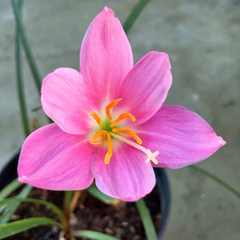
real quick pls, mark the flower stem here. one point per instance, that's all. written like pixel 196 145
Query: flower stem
pixel 134 15
pixel 216 179
pixel 75 199
pixel 20 85
pixel 147 220
pixel 67 202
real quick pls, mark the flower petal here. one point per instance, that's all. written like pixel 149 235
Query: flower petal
pixel 67 100
pixel 106 55
pixel 181 136
pixel 55 160
pixel 127 176
pixel 145 88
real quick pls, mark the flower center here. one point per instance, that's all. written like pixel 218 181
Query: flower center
pixel 111 130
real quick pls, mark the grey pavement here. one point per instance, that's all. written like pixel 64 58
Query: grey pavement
pixel 202 39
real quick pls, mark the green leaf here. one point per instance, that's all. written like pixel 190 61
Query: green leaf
pixel 48 204
pixel 20 84
pixel 67 200
pixel 32 64
pixel 134 15
pixel 13 228
pixel 93 235
pixel 31 61
pixel 94 191
pixel 36 109
pixel 12 208
pixel 11 187
pixel 216 179
pixel 146 220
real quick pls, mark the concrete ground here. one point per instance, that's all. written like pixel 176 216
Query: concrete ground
pixel 202 40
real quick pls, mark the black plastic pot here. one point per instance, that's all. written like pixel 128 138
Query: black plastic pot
pixel 9 173
pixel 164 188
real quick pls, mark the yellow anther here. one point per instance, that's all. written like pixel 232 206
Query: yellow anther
pixel 96 117
pixel 109 143
pixel 110 149
pixel 121 117
pixel 105 135
pixel 110 106
pixel 97 135
pixel 98 143
pixel 130 133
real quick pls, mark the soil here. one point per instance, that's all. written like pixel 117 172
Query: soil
pixel 90 214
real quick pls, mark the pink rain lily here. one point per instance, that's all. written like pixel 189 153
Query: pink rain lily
pixel 110 124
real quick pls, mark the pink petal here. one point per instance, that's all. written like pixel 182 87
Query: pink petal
pixel 106 55
pixel 181 136
pixel 145 88
pixel 55 160
pixel 127 176
pixel 67 100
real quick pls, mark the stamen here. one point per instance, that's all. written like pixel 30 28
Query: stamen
pixel 150 156
pixel 98 143
pixel 110 148
pixel 110 106
pixel 96 117
pixel 129 132
pixel 121 117
pixel 109 143
pixel 98 134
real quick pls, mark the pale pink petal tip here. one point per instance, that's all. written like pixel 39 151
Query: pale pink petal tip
pixel 105 55
pixel 182 136
pixel 108 10
pixel 221 142
pixel 166 56
pixel 22 179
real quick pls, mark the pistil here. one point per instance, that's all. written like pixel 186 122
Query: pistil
pixel 109 143
pixel 150 155
pixel 111 131
pixel 129 132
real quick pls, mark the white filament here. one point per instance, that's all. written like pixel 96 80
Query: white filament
pixel 150 155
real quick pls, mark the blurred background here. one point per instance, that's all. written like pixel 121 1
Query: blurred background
pixel 202 39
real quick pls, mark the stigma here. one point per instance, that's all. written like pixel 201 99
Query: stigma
pixel 114 132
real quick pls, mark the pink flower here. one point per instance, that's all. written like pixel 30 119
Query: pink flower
pixel 110 124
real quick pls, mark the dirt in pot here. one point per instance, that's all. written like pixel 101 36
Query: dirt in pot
pixel 89 214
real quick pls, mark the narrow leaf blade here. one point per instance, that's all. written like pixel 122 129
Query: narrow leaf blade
pixel 54 208
pixel 12 208
pixel 146 220
pixel 13 228
pixel 134 15
pixel 216 179
pixel 94 191
pixel 20 84
pixel 36 109
pixel 93 235
pixel 28 51
pixel 31 60
pixel 11 187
